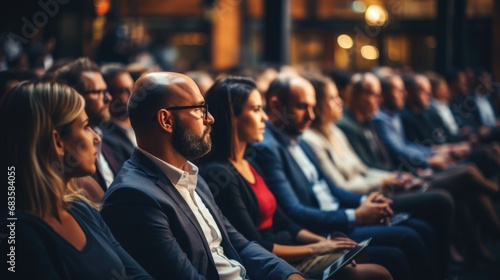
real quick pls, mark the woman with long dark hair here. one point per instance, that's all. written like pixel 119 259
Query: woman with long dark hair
pixel 242 194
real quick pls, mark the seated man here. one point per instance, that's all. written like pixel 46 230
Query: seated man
pixel 118 131
pixel 460 180
pixel 472 106
pixel 291 171
pixel 423 126
pixel 160 210
pixel 85 77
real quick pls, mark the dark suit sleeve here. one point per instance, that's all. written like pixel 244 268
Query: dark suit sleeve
pixel 143 229
pixel 357 143
pixel 227 191
pixel 132 269
pixel 311 217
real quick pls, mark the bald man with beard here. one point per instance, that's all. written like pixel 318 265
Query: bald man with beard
pixel 159 208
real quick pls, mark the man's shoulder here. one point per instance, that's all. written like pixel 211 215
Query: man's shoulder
pixel 407 114
pixel 349 126
pixel 131 179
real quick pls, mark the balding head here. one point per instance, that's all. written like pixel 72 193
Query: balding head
pixel 155 91
pixel 363 95
pixel 393 93
pixel 291 100
pixel 169 117
pixel 419 91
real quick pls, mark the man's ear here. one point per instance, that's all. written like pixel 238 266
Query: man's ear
pixel 58 143
pixel 165 120
pixel 275 106
pixel 274 103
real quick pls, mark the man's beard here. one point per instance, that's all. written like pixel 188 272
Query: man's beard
pixel 99 117
pixel 188 144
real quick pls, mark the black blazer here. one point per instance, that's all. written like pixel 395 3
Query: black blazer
pixel 238 203
pixel 152 221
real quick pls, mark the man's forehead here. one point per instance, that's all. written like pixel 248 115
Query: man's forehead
pixel 302 94
pixel 422 82
pixel 91 78
pixel 397 82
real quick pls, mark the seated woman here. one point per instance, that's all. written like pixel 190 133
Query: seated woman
pixel 470 190
pixel 243 196
pixel 47 144
pixel 337 157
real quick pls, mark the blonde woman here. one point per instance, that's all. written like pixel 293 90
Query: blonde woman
pixel 47 143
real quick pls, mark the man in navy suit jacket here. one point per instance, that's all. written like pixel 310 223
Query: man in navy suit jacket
pixel 291 171
pixel 161 210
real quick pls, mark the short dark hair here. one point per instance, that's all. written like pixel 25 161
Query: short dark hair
pixel 70 74
pixel 226 99
pixel 279 87
pixel 410 84
pixel 110 71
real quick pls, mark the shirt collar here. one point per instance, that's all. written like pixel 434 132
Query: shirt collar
pixel 175 175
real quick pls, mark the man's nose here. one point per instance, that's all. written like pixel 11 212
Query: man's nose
pixel 210 119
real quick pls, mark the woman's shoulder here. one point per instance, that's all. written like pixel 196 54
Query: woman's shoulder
pixel 314 138
pixel 216 169
pixel 85 212
pixel 214 165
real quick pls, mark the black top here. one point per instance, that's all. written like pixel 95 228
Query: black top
pixel 41 253
pixel 238 203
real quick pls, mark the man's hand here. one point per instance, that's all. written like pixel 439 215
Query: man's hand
pixel 295 276
pixel 439 161
pixel 484 131
pixel 373 209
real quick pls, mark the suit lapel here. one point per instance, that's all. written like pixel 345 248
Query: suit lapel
pixel 107 152
pixel 294 169
pixel 164 183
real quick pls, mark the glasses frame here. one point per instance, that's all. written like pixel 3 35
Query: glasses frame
pixel 205 106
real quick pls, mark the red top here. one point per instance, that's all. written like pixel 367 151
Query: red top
pixel 265 199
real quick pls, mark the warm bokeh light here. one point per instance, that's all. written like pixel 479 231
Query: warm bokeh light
pixel 376 15
pixel 101 7
pixel 369 52
pixel 358 6
pixel 345 41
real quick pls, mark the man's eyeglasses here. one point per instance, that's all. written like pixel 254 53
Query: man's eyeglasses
pixel 95 91
pixel 204 110
pixel 117 91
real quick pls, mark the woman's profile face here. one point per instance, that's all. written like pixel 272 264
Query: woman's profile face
pixel 250 124
pixel 80 151
pixel 332 105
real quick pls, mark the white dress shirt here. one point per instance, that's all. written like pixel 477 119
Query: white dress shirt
pixel 102 163
pixel 185 182
pixel 326 200
pixel 446 115
pixel 485 110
